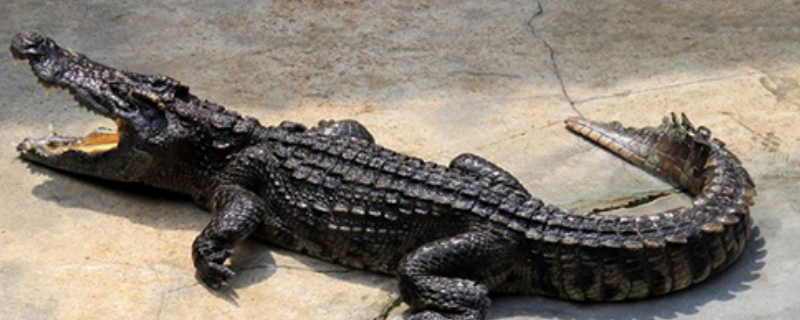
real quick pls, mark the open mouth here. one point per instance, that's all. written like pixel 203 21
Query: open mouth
pixel 85 82
pixel 97 141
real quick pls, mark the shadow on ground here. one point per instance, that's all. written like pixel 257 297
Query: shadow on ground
pixel 252 260
pixel 138 203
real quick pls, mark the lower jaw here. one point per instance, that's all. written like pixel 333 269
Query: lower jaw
pixel 98 141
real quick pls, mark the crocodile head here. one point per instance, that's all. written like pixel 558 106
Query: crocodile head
pixel 164 135
pixel 135 102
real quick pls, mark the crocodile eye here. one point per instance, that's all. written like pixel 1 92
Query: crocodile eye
pixel 160 84
pixel 168 87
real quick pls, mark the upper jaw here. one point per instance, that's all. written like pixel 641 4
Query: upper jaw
pixel 94 86
pixel 90 83
pixel 137 103
pixel 31 45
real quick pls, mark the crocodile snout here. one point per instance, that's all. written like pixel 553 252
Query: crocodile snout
pixel 30 44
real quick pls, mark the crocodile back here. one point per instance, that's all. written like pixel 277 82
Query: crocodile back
pixel 356 203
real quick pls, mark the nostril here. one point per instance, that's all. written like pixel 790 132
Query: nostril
pixel 27 44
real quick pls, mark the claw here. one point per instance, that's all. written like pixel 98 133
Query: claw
pixel 703 133
pixel 209 261
pixel 685 122
pixel 215 275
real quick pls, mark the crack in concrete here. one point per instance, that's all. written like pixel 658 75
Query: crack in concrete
pixel 161 304
pixel 679 85
pixel 636 202
pixel 394 304
pixel 163 292
pixel 553 59
pixel 485 74
pixel 515 136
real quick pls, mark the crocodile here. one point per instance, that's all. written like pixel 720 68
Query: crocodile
pixel 450 234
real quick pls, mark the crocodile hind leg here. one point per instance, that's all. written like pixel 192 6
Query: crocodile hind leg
pixel 449 279
pixel 478 165
pixel 238 212
pixel 335 128
pixel 344 128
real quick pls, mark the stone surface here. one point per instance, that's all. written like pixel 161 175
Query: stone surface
pixel 430 78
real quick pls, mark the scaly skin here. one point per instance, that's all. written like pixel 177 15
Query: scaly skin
pixel 451 234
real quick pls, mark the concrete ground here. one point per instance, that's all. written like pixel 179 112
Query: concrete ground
pixel 430 78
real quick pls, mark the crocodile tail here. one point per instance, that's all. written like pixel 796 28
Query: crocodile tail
pixel 675 151
pixel 679 247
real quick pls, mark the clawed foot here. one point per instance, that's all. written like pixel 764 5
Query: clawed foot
pixel 209 261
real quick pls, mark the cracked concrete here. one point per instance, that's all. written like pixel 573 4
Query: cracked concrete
pixel 429 78
pixel 553 56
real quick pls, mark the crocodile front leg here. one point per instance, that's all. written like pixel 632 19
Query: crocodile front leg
pixel 238 212
pixel 332 128
pixel 449 279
